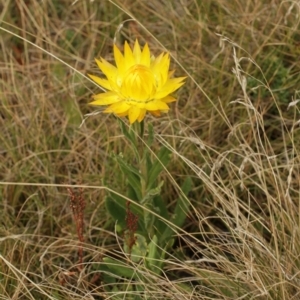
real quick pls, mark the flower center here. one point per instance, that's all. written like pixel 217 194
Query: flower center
pixel 139 85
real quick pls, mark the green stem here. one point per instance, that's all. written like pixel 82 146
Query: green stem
pixel 148 217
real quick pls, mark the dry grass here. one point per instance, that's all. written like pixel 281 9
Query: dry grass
pixel 233 132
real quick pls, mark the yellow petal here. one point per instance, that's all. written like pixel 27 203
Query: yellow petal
pixel 170 86
pixel 156 105
pixel 145 56
pixel 160 69
pixel 168 99
pixel 133 114
pixel 105 99
pixel 164 63
pixel 142 115
pixel 157 60
pixel 107 68
pixel 118 108
pixel 128 56
pixel 137 52
pixel 119 59
pixel 155 113
pixel 102 82
pixel 124 114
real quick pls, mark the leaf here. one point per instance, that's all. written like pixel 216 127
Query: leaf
pixel 147 159
pixel 130 136
pixel 152 192
pixel 180 212
pixel 155 257
pixel 126 166
pixel 106 275
pixel 119 268
pixel 161 209
pixel 183 203
pixel 117 207
pixel 162 160
pixel 150 135
pixel 132 174
pixel 132 194
pixel 139 249
pixel 147 201
pixel 141 129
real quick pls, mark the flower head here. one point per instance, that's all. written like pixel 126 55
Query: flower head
pixel 137 84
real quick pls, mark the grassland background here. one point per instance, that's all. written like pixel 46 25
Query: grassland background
pixel 234 129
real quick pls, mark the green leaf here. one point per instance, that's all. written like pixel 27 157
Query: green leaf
pixel 142 129
pixel 132 194
pixel 147 159
pixel 107 277
pixel 150 135
pixel 117 207
pixel 126 166
pixel 151 193
pixel 155 256
pixel 130 136
pixel 139 249
pixel 180 212
pixel 162 160
pixel 182 203
pixel 161 209
pixel 147 201
pixel 119 268
pixel 132 174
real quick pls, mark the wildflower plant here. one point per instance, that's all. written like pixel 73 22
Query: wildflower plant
pixel 137 84
pixel 141 83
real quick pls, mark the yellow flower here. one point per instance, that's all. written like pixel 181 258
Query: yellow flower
pixel 139 83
